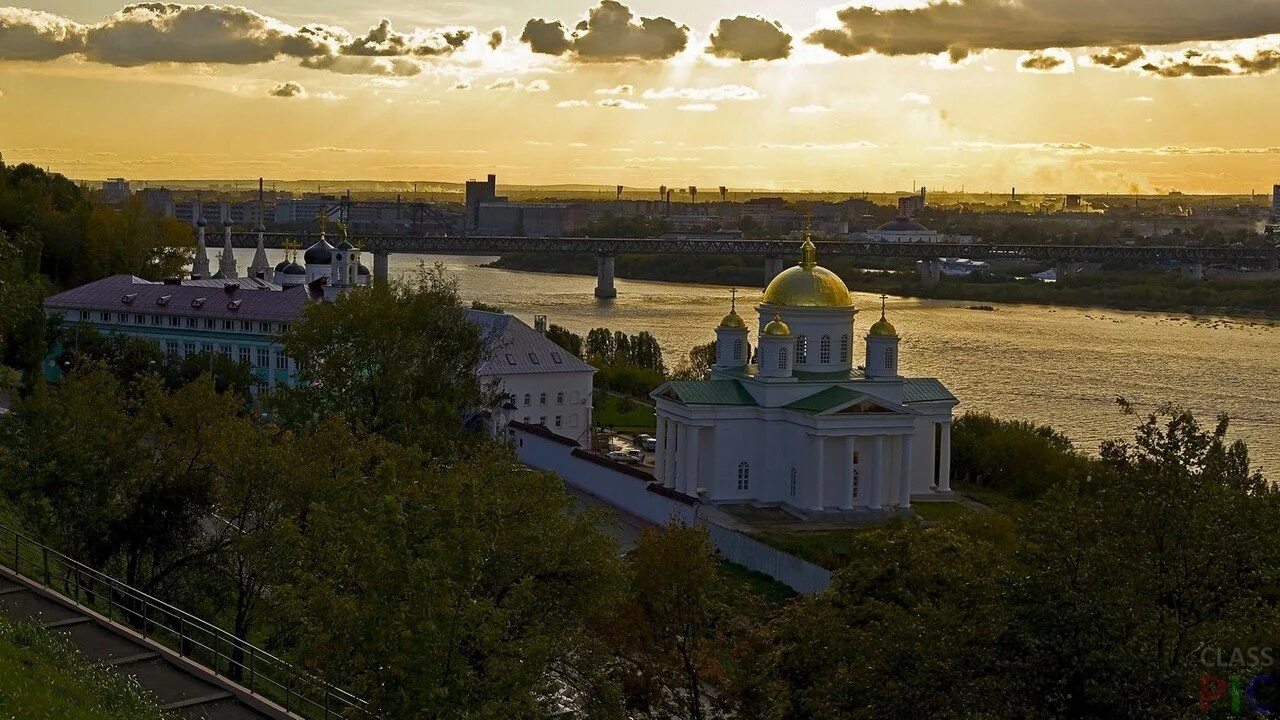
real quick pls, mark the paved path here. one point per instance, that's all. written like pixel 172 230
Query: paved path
pixel 178 690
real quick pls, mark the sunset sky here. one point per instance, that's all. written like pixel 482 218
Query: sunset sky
pixel 1048 95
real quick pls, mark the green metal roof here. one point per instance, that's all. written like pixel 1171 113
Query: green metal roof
pixel 711 392
pixel 825 400
pixel 925 390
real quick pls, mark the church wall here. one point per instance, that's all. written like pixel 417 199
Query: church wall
pixel 574 411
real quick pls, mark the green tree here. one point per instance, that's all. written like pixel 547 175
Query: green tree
pixel 23 327
pixel 1016 457
pixel 698 365
pixel 397 359
pixel 564 338
pixel 133 240
pixel 462 588
pixel 600 345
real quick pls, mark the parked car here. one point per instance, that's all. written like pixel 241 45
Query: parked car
pixel 631 457
pixel 650 445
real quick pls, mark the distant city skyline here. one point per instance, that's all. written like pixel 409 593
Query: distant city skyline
pixel 1086 96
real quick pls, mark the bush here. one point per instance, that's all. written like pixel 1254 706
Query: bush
pixel 1019 458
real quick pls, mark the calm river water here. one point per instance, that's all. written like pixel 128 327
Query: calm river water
pixel 1059 366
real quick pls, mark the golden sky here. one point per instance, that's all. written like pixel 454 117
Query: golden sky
pixel 1047 95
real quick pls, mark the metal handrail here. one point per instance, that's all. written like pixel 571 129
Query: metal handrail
pixel 260 672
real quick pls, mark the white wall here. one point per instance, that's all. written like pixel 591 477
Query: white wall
pixel 574 411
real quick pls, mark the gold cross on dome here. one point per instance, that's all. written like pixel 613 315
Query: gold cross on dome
pixel 733 299
pixel 883 299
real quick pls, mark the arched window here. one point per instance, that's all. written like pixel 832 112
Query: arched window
pixel 890 359
pixel 782 358
pixel 793 482
pixel 802 349
pixel 824 350
pixel 737 349
pixel 560 398
pixel 844 348
pixel 542 399
pixel 744 476
pixel 526 398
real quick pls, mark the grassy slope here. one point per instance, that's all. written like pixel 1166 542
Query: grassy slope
pixel 41 679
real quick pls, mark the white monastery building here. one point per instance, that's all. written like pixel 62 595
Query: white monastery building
pixel 799 426
pixel 242 318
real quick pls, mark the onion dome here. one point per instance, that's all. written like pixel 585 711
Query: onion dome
pixel 777 327
pixel 319 254
pixel 362 270
pixel 345 245
pixel 733 320
pixel 294 269
pixel 808 284
pixel 282 265
pixel 200 222
pixel 883 328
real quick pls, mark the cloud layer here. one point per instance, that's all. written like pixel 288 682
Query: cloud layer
pixel 962 27
pixel 611 33
pixel 750 38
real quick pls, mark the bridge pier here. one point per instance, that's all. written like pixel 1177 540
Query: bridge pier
pixel 1064 270
pixel 381 269
pixel 773 267
pixel 604 277
pixel 1193 271
pixel 930 272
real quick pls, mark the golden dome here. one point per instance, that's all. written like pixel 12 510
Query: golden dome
pixel 777 327
pixel 883 328
pixel 733 320
pixel 808 284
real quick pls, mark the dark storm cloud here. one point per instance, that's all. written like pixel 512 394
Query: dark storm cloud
pixel 750 38
pixel 147 33
pixel 961 27
pixel 611 33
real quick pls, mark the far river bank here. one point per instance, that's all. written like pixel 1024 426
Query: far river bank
pixel 1128 291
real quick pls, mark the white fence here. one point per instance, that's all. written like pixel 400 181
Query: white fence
pixel 633 491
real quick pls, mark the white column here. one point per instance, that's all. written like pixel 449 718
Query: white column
pixel 944 459
pixel 819 471
pixel 873 478
pixel 660 452
pixel 690 486
pixel 675 465
pixel 904 489
pixel 846 467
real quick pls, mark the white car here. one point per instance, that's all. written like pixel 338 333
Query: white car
pixel 631 457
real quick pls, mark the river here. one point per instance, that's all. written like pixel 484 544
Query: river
pixel 1060 366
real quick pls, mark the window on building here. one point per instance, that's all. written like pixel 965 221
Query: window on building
pixel 782 358
pixel 228 325
pixel 542 421
pixel 533 358
pixel 157 319
pixel 284 327
pixel 824 350
pixel 104 317
pixel 175 321
pixel 890 359
pixel 558 421
pixel 526 400
pixel 555 358
pixel 264 327
pixel 140 319
pixel 527 419
pixel 511 359
pixel 208 324
pixel 192 323
pixel 246 355
pixel 560 398
pixel 122 318
pixel 802 349
pixel 737 350
pixel 226 351
pixel 207 347
pixel 793 482
pixel 264 358
pixel 189 348
pixel 171 347
pixel 844 348
pixel 542 399
pixel 744 476
pixel 246 326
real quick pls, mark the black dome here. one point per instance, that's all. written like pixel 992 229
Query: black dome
pixel 294 269
pixel 345 245
pixel 362 270
pixel 282 265
pixel 319 254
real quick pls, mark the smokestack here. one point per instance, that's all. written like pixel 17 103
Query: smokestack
pixel 693 194
pixel 619 192
pixel 662 193
pixel 724 194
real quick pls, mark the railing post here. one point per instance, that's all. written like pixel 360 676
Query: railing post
pixel 47 582
pixel 17 557
pixel 252 665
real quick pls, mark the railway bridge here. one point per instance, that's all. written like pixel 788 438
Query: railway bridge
pixel 776 253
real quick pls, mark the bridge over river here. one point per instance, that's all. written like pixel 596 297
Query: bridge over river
pixel 776 253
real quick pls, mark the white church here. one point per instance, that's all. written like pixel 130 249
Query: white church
pixel 798 425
